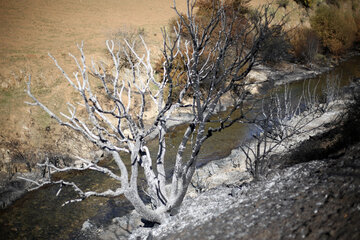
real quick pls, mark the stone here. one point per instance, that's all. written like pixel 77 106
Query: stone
pixel 87 225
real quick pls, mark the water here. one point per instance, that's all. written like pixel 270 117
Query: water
pixel 39 215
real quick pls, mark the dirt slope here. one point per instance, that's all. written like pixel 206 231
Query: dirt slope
pixel 30 29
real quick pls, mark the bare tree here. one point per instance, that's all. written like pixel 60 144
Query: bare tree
pixel 283 116
pixel 115 123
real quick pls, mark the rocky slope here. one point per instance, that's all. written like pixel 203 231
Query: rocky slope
pixel 310 192
pixel 313 200
pixel 313 193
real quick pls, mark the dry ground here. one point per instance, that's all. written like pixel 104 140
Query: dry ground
pixel 30 29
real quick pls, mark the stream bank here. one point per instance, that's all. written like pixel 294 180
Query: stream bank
pixel 313 200
pixel 299 179
pixel 110 209
pixel 312 193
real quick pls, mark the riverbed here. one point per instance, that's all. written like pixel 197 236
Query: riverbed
pixel 39 215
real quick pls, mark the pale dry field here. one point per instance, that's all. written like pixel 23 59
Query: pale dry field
pixel 30 29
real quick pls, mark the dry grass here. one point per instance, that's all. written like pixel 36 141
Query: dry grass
pixel 32 28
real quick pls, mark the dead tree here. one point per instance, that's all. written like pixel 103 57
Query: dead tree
pixel 115 125
pixel 282 117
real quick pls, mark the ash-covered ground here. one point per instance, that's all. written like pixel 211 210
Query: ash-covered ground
pixel 313 193
pixel 310 192
pixel 312 200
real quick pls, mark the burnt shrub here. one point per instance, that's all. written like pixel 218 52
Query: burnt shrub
pixel 276 47
pixel 352 126
pixel 357 24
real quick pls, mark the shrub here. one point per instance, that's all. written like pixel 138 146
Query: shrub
pixel 179 70
pixel 335 28
pixel 305 44
pixel 131 35
pixel 283 3
pixel 276 47
pixel 305 3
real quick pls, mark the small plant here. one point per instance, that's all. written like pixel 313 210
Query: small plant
pixel 127 35
pixel 357 24
pixel 331 91
pixel 282 116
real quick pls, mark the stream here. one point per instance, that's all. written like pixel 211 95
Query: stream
pixel 39 215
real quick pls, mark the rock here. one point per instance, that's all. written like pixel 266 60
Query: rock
pixel 260 76
pixel 98 155
pixel 87 225
pixel 78 163
pixel 4 85
pixel 5 155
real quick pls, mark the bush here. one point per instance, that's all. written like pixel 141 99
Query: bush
pixel 305 3
pixel 305 44
pixel 131 35
pixel 276 47
pixel 179 71
pixel 336 29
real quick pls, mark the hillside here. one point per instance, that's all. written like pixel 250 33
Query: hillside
pixel 313 193
pixel 32 29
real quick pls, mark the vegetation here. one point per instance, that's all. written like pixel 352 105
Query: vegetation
pixel 336 28
pixel 281 118
pixel 305 43
pixel 210 52
pixel 306 3
pixel 283 3
pixel 274 47
pixel 216 51
pixel 127 35
pixel 233 9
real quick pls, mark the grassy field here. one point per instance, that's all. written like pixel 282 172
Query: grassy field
pixel 30 29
